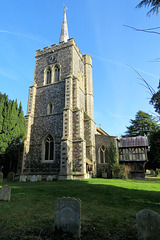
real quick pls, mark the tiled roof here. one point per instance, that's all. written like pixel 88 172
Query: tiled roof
pixel 140 141
pixel 101 131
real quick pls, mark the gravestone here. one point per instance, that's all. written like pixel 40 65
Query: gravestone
pixel 5 193
pixel 148 171
pixel 152 171
pixel 23 178
pixel 10 176
pixel 49 178
pixel 33 178
pixel 39 178
pixel 68 215
pixel 1 177
pixel 148 225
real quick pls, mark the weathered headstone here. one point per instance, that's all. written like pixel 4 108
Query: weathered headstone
pixel 68 215
pixel 5 193
pixel 10 176
pixel 148 171
pixel 152 171
pixel 33 178
pixel 1 177
pixel 148 225
pixel 23 178
pixel 39 178
pixel 49 178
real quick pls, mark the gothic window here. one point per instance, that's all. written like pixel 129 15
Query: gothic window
pixel 48 76
pixel 56 74
pixel 103 155
pixel 106 156
pixel 49 148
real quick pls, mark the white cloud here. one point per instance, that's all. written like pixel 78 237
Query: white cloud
pixel 29 36
pixel 121 64
pixel 7 74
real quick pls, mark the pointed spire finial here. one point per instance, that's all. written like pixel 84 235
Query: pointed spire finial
pixel 65 8
pixel 64 31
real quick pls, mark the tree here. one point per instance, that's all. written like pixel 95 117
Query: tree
pixel 155 100
pixel 143 125
pixel 12 131
pixel 154 4
pixel 154 153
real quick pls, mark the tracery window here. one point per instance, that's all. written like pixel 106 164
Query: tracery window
pixel 49 147
pixel 103 155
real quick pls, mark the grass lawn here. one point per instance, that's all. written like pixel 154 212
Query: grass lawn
pixel 108 207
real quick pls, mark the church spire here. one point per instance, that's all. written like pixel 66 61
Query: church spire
pixel 64 31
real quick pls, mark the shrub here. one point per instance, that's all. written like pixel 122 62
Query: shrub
pixel 112 157
pixel 128 171
pixel 118 171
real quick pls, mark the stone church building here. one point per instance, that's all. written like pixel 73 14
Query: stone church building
pixel 61 132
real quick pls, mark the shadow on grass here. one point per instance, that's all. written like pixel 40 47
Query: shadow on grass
pixel 107 211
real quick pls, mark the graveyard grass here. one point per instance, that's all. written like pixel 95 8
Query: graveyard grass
pixel 108 207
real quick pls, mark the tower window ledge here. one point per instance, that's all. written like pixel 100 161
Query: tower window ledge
pixel 48 161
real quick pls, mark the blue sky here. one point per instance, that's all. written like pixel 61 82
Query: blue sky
pixel 98 29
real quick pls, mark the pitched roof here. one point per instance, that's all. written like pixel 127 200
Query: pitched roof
pixel 101 131
pixel 139 141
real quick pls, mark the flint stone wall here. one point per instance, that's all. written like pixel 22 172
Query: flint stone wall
pixel 43 124
pixel 102 140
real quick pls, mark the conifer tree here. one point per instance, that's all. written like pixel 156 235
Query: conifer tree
pixel 142 125
pixel 12 131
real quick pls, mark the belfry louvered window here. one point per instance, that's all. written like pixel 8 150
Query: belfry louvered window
pixel 56 74
pixel 49 74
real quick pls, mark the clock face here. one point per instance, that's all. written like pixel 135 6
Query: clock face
pixel 52 59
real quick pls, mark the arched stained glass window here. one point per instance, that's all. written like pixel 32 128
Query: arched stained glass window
pixel 49 148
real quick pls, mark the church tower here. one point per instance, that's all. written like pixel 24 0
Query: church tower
pixel 60 120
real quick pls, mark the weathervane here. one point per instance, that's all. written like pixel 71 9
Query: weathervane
pixel 65 6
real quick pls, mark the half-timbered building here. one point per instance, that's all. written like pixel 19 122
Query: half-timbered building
pixel 133 153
